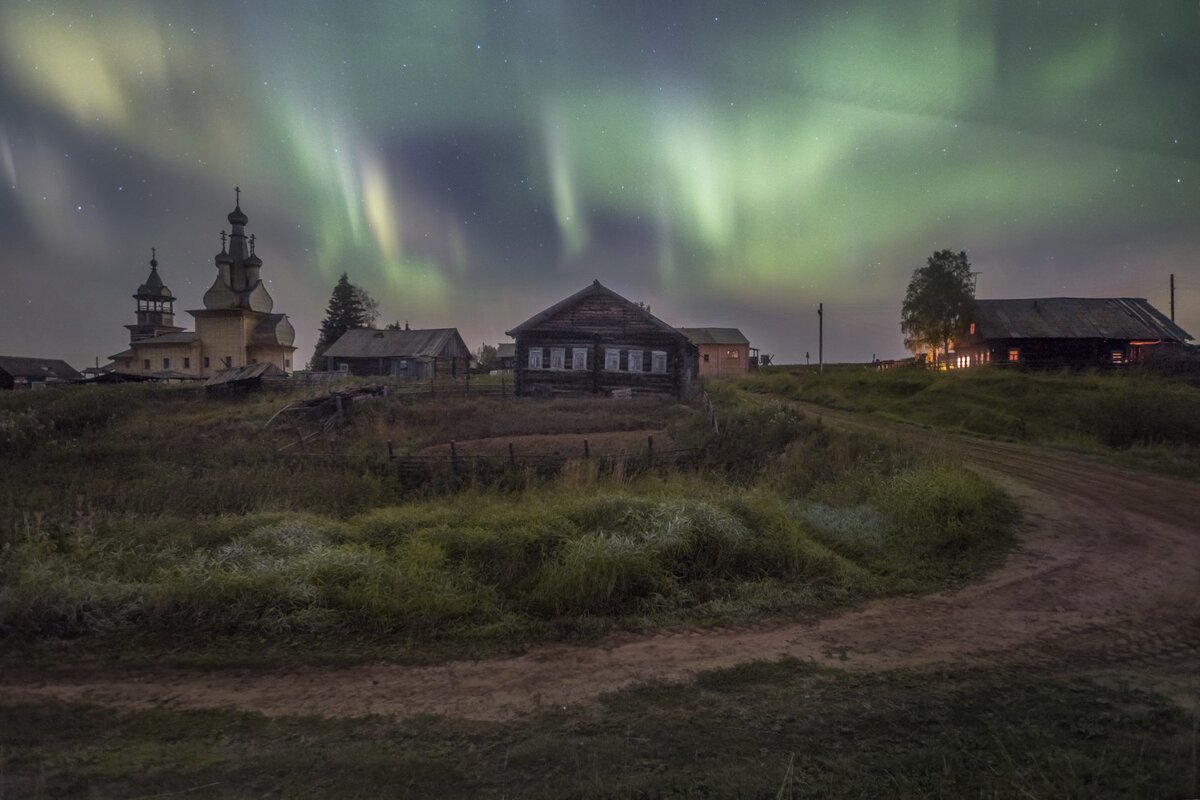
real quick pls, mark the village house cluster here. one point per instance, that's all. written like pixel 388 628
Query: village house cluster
pixel 594 341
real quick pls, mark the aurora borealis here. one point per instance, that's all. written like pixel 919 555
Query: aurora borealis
pixel 730 163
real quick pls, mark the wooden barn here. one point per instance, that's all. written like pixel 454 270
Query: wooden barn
pixel 597 341
pixel 19 372
pixel 421 355
pixel 1057 332
pixel 724 352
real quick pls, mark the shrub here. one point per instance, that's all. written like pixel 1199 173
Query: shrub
pixel 597 575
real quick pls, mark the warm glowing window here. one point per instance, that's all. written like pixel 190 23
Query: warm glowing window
pixel 732 353
pixel 1118 357
pixel 1014 355
pixel 972 328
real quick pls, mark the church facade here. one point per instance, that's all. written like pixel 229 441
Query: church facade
pixel 238 325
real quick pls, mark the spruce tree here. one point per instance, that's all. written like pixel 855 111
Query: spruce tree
pixel 346 310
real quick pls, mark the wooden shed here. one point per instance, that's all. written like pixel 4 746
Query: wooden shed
pixel 1056 332
pixel 597 341
pixel 405 354
pixel 724 352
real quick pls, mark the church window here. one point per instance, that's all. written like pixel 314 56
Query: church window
pixel 145 363
pixel 206 362
pixel 187 363
pixel 166 363
pixel 287 363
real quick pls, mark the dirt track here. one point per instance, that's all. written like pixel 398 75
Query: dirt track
pixel 1106 577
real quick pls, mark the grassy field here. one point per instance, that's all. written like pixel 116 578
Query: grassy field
pixel 778 730
pixel 138 518
pixel 1136 418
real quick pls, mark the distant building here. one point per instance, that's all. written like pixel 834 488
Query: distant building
pixel 597 341
pixel 724 352
pixel 17 372
pixel 506 356
pixel 408 354
pixel 1052 332
pixel 237 326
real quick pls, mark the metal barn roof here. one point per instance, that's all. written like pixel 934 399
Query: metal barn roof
pixel 1073 318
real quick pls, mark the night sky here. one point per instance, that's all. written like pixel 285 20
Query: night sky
pixel 469 163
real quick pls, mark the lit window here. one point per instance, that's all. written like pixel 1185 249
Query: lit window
pixel 1014 355
pixel 732 354
pixel 1118 357
pixel 972 328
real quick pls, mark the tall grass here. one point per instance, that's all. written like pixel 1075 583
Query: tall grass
pixel 220 538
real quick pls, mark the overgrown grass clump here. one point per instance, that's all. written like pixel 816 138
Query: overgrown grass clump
pixel 781 515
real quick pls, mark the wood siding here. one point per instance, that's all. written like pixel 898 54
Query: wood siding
pixel 724 360
pixel 597 324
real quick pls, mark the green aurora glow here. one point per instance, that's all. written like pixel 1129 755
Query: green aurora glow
pixel 730 163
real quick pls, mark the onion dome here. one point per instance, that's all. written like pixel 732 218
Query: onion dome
pixel 223 257
pixel 237 216
pixel 252 260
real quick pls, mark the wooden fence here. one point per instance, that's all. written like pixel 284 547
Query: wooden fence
pixel 456 466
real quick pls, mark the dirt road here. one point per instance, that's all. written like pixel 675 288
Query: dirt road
pixel 1106 576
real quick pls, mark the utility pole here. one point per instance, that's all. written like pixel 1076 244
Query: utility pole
pixel 1172 297
pixel 820 337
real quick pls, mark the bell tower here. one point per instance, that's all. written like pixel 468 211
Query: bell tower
pixel 155 307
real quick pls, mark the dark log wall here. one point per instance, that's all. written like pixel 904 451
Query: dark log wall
pixel 599 323
pixel 1049 353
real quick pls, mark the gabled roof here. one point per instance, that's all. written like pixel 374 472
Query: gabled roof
pixel 1073 318
pixel 372 343
pixel 589 291
pixel 715 335
pixel 506 350
pixel 39 369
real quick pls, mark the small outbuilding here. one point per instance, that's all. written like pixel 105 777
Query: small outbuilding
pixel 19 372
pixel 724 352
pixel 599 342
pixel 506 356
pixel 1057 332
pixel 421 355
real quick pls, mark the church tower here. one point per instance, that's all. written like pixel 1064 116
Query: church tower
pixel 155 307
pixel 236 326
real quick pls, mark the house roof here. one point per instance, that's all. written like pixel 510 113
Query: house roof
pixel 1073 318
pixel 715 335
pixel 595 288
pixel 39 368
pixel 372 343
pixel 506 350
pixel 263 369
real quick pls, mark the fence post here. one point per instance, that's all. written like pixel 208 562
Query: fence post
pixel 391 451
pixel 587 453
pixel 502 387
pixel 512 458
pixel 650 447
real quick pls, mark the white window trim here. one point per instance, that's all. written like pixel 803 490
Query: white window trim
pixel 658 357
pixel 634 357
pixel 609 358
pixel 534 359
pixel 576 362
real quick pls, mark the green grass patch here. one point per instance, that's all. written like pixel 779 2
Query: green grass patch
pixel 1136 418
pixel 759 730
